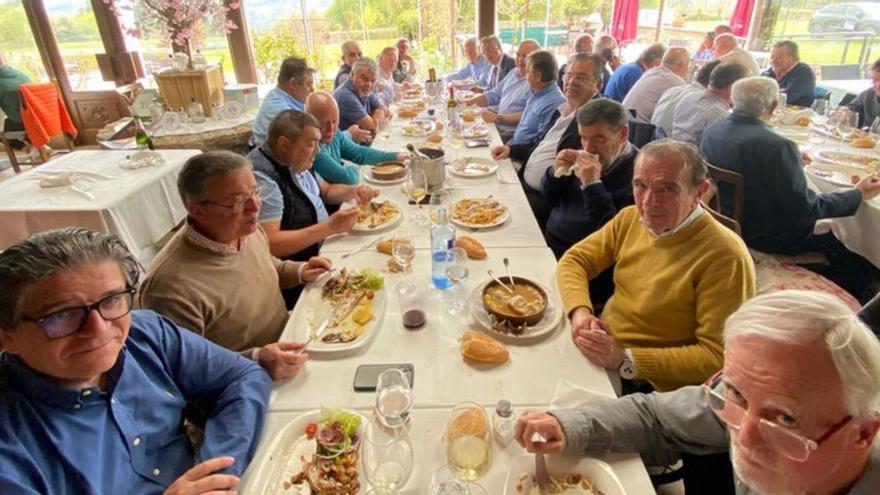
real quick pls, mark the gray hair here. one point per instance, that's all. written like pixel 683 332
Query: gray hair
pixel 724 75
pixel 198 169
pixel 754 95
pixel 580 38
pixel 544 63
pixel 790 46
pixel 48 253
pixel 602 110
pixel 471 40
pixel 294 69
pixel 364 63
pixel 802 317
pixel 675 56
pixel 349 44
pixel 290 124
pixel 605 42
pixel 726 39
pixel 592 58
pixel 491 39
pixel 652 53
pixel 670 149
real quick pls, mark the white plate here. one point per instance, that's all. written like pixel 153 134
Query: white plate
pixel 313 309
pixel 828 156
pixel 838 175
pixel 385 226
pixel 473 167
pixel 552 317
pixel 368 176
pixel 281 460
pixel 598 472
pixel 482 226
pixel 474 132
pixel 423 127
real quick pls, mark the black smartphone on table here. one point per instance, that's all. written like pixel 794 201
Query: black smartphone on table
pixel 367 375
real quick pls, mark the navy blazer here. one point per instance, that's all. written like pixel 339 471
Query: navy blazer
pixel 799 84
pixel 780 211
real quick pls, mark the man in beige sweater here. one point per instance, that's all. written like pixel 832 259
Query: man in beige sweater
pixel 216 275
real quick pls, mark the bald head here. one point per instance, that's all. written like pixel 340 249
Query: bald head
pixel 583 44
pixel 677 60
pixel 724 44
pixel 322 106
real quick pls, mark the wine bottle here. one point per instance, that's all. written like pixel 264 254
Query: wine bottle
pixel 432 75
pixel 143 140
pixel 452 109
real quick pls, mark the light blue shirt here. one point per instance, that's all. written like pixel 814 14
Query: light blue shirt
pixel 272 208
pixel 476 71
pixel 537 113
pixel 510 95
pixel 275 102
pixel 128 436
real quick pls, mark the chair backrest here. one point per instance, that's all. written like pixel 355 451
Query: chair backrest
pixel 845 72
pixel 640 133
pixel 723 219
pixel 44 113
pixel 729 182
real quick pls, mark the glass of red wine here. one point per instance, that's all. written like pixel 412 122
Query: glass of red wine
pixel 411 295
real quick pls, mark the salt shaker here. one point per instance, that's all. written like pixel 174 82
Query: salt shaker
pixel 503 422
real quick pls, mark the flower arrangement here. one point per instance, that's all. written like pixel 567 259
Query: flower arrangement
pixel 179 19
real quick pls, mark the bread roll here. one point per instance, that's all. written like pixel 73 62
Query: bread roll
pixel 480 347
pixel 803 121
pixel 384 246
pixel 866 142
pixel 475 250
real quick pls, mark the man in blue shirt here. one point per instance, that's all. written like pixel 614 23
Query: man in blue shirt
pixel 336 146
pixel 295 84
pixel 506 101
pixel 541 73
pixel 625 77
pixel 477 68
pixel 94 394
pixel 358 103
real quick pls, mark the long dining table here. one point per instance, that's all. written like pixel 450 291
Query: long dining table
pixel 442 377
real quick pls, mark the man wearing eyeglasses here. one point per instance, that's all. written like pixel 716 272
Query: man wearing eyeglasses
pixel 196 279
pixel 797 404
pixel 94 394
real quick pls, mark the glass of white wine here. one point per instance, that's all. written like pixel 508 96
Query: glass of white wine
pixel 455 142
pixel 384 132
pixel 416 189
pixel 468 442
pixel 457 273
pixel 386 457
pixel 403 249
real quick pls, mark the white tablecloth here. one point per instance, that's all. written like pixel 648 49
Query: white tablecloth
pixel 140 206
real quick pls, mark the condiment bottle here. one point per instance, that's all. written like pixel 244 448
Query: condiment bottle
pixel 503 422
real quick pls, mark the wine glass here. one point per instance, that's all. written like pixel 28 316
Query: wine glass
pixel 468 442
pixel 439 199
pixel 393 398
pixel 455 142
pixel 386 457
pixel 457 273
pixel 403 249
pixel 384 129
pixel 847 122
pixel 444 483
pixel 416 188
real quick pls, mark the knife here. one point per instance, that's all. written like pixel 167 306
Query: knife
pixel 317 334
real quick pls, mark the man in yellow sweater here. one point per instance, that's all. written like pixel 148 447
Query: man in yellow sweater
pixel 678 274
pixel 217 277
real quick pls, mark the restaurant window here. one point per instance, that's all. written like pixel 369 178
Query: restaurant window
pixel 17 41
pixel 76 32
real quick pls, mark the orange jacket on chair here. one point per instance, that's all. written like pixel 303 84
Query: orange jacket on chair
pixel 43 113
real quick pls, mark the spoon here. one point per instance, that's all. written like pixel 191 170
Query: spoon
pixel 509 276
pixel 492 274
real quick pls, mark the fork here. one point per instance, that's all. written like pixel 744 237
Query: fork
pixel 362 248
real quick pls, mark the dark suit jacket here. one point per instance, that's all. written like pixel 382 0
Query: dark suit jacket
pixel 799 84
pixel 780 211
pixel 507 64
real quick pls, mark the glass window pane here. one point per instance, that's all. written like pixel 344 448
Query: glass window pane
pixel 17 42
pixel 76 33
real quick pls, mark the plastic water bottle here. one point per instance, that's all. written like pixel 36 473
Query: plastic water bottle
pixel 442 240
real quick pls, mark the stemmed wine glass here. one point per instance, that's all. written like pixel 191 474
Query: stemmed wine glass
pixel 847 122
pixel 384 132
pixel 819 119
pixel 416 188
pixel 455 142
pixel 457 273
pixel 386 457
pixel 403 249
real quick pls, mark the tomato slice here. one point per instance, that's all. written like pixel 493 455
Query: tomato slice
pixel 311 429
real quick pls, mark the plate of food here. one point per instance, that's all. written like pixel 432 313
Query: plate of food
pixel 315 453
pixel 473 167
pixel 867 163
pixel 477 213
pixel 376 216
pixel 527 313
pixel 838 175
pixel 418 127
pixel 386 173
pixel 474 131
pixel 463 83
pixel 470 114
pixel 569 475
pixel 354 302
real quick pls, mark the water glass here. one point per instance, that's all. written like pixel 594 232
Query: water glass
pixel 468 442
pixel 393 398
pixel 386 458
pixel 439 199
pixel 457 273
pixel 443 482
pixel 403 249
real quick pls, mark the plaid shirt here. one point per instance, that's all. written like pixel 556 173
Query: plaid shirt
pixel 694 113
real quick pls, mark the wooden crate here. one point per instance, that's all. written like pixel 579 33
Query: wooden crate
pixel 177 88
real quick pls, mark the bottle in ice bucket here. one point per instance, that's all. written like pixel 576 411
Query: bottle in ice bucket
pixel 442 240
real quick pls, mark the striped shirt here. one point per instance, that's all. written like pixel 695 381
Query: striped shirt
pixel 694 113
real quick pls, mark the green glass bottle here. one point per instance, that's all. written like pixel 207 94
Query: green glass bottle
pixel 143 140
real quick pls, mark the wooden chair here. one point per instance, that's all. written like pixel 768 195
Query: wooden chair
pixel 42 153
pixel 640 133
pixel 723 219
pixel 729 182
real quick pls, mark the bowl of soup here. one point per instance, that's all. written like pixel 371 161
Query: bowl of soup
pixel 525 306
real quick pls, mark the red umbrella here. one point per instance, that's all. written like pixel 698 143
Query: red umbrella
pixel 742 16
pixel 625 20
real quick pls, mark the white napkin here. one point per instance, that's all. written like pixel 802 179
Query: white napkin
pixel 143 158
pixel 569 395
pixel 560 172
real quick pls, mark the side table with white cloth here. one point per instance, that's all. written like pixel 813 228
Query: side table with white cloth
pixel 90 188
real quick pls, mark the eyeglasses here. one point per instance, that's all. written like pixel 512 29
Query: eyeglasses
pixel 790 443
pixel 568 76
pixel 238 204
pixel 68 321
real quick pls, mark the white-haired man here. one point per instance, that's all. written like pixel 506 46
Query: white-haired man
pixel 780 211
pixel 646 92
pixel 727 49
pixel 477 67
pixel 794 77
pixel 358 103
pixel 351 51
pixel 797 404
pixel 501 63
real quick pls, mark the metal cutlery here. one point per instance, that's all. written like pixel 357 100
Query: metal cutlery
pixel 362 248
pixel 318 333
pixel 509 276
pixel 542 478
pixel 492 274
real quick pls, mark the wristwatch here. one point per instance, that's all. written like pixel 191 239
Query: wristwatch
pixel 627 368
